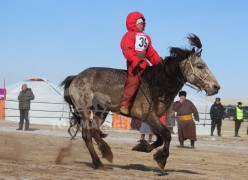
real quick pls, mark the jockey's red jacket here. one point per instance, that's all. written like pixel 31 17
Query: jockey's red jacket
pixel 137 46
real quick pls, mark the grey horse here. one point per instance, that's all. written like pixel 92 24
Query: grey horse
pixel 97 90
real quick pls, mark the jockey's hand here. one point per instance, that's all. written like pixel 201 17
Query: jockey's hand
pixel 137 68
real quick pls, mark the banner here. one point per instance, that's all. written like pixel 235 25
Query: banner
pixel 120 122
pixel 2 94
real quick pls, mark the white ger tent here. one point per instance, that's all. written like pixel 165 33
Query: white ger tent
pixel 48 107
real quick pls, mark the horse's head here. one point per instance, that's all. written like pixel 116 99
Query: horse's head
pixel 197 73
pixel 194 69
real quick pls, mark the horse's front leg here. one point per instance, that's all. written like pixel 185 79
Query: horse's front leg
pixel 86 135
pixel 154 124
pixel 163 136
pixel 162 154
pixel 144 146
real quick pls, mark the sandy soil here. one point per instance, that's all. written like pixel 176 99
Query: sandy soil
pixel 32 155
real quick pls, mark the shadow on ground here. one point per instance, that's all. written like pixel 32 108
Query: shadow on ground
pixel 139 167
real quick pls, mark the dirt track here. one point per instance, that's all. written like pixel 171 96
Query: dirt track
pixel 32 155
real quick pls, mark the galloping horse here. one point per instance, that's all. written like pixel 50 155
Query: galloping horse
pixel 96 91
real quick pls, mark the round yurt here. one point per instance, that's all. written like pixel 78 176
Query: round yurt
pixel 48 107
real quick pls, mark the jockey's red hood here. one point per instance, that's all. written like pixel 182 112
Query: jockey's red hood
pixel 131 20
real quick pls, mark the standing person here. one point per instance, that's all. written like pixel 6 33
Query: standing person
pixel 25 97
pixel 217 112
pixel 186 125
pixel 145 129
pixel 170 120
pixel 239 118
pixel 137 49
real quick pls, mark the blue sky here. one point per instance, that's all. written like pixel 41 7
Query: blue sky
pixel 57 38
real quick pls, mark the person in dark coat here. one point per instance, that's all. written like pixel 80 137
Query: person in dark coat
pixel 186 125
pixel 217 113
pixel 25 97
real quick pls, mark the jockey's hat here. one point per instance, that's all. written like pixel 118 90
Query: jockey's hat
pixel 140 20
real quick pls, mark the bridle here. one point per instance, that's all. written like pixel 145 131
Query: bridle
pixel 195 74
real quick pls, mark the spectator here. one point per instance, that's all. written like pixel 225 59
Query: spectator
pixel 25 97
pixel 186 126
pixel 217 112
pixel 170 120
pixel 145 129
pixel 239 118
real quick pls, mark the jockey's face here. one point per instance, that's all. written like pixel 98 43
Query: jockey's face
pixel 140 27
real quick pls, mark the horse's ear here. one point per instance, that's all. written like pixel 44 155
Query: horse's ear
pixel 193 50
pixel 199 53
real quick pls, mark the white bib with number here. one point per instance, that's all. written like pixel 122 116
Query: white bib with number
pixel 141 42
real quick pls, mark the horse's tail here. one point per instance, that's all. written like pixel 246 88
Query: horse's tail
pixel 75 120
pixel 66 84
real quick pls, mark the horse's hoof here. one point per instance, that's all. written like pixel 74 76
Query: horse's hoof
pixel 108 156
pixel 161 158
pixel 99 166
pixel 143 146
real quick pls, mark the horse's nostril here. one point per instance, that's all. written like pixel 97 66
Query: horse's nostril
pixel 217 87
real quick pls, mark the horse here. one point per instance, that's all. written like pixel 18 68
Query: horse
pixel 96 91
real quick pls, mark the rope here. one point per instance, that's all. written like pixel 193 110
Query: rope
pixel 36 102
pixel 40 117
pixel 37 110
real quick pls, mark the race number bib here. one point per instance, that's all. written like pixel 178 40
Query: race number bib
pixel 141 42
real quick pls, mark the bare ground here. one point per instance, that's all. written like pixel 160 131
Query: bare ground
pixel 34 155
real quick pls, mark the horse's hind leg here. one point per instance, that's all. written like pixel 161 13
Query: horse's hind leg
pixel 97 134
pixel 102 145
pixel 86 134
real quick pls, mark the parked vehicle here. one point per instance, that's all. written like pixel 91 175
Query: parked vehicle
pixel 230 112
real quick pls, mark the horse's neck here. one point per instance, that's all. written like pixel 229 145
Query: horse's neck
pixel 164 82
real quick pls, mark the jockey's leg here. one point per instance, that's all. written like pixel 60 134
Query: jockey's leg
pixel 130 88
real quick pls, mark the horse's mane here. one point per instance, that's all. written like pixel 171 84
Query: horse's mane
pixel 167 77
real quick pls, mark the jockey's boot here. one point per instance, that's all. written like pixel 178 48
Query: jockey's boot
pixel 124 110
pixel 192 144
pixel 181 144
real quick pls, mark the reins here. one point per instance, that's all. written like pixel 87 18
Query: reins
pixel 142 83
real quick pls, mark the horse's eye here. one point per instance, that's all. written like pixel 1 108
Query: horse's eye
pixel 200 66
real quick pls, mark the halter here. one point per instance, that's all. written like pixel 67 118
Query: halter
pixel 194 73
